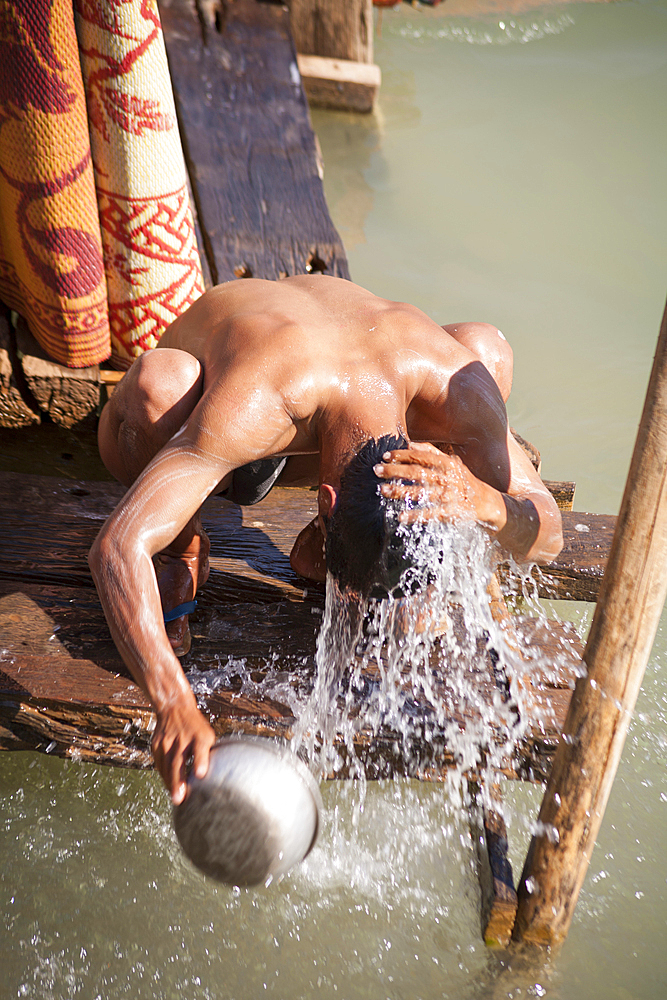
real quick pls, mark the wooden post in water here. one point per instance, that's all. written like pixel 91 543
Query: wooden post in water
pixel 334 44
pixel 336 29
pixel 624 626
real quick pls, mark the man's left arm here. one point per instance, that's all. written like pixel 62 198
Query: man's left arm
pixel 494 484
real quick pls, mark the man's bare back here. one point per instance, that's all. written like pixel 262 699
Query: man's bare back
pixel 310 367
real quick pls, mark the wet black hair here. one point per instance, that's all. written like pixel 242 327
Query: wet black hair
pixel 366 544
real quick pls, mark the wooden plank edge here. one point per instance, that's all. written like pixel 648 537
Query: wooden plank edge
pixel 339 84
pixel 562 492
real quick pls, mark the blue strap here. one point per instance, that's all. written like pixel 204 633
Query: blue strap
pixel 180 610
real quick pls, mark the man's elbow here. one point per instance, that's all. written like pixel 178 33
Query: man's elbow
pixel 101 556
pixel 549 542
pixel 95 558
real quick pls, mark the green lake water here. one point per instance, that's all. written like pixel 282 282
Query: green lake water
pixel 515 172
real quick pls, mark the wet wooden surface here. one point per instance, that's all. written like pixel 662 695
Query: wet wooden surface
pixel 64 688
pixel 576 575
pixel 249 146
pixel 49 524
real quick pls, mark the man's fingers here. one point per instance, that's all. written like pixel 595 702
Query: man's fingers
pixel 182 738
pixel 177 773
pixel 396 470
pixel 409 465
pixel 404 491
pixel 425 447
pixel 419 515
pixel 170 763
pixel 422 450
pixel 201 758
pixel 178 795
pixel 407 456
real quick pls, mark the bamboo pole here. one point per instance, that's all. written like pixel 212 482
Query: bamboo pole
pixel 624 626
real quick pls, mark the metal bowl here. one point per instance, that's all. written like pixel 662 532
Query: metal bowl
pixel 255 814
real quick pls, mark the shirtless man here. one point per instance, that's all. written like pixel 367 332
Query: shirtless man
pixel 309 368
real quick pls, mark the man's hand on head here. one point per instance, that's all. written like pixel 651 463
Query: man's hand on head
pixel 182 735
pixel 438 484
pixel 525 519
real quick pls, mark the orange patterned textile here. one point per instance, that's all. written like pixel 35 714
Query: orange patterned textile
pixel 97 243
pixel 150 254
pixel 51 268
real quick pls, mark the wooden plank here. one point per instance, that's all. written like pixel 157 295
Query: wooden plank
pixel 63 683
pixel 339 83
pixel 108 377
pixel 562 492
pixel 249 145
pixel 339 29
pixel 14 411
pixel 72 512
pixel 499 898
pixel 63 686
pixel 576 575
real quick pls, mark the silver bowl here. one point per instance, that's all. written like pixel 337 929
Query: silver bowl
pixel 255 814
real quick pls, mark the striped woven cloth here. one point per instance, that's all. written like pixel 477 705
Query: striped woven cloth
pixel 97 244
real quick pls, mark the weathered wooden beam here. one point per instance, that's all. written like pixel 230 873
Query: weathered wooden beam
pixel 562 492
pixel 337 29
pixel 33 387
pixel 64 689
pixel 74 511
pixel 63 683
pixel 334 41
pixel 339 84
pixel 499 898
pixel 248 142
pixel 576 575
pixel 14 411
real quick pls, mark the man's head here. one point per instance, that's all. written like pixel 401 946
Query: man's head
pixel 365 541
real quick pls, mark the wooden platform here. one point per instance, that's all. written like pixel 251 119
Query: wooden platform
pixel 249 146
pixel 63 687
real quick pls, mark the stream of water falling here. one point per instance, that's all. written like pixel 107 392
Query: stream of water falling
pixel 417 663
pixel 519 180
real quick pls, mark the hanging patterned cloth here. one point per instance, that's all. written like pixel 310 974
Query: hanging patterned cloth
pixel 150 253
pixel 51 266
pixel 96 251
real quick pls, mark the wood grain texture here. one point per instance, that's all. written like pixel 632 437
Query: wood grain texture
pixel 254 631
pixel 248 141
pixel 338 29
pixel 499 898
pixel 339 84
pixel 562 491
pixel 75 511
pixel 577 573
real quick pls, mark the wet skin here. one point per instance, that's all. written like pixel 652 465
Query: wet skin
pixel 309 367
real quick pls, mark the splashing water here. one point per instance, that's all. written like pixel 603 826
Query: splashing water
pixel 517 30
pixel 438 670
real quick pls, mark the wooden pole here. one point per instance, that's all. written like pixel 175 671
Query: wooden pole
pixel 624 626
pixel 338 29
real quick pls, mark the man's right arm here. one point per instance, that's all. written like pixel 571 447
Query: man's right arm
pixel 242 422
pixel 148 518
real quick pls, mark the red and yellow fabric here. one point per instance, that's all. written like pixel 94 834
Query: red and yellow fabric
pixel 150 253
pixel 51 266
pixel 97 244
